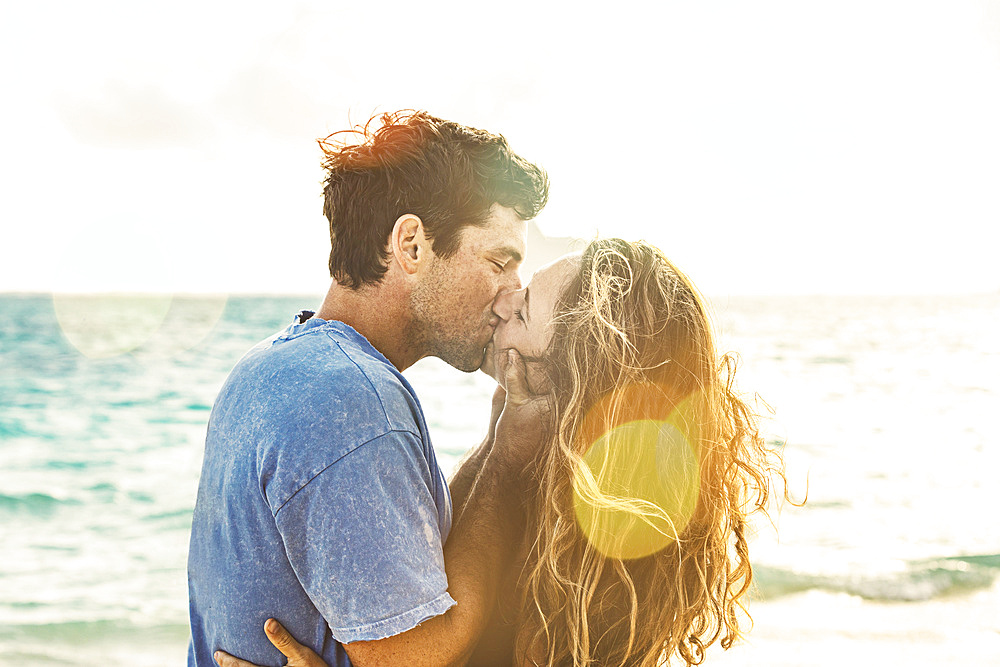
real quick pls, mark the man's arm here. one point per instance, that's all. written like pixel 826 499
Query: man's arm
pixel 482 539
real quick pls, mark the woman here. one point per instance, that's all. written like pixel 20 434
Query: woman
pixel 634 545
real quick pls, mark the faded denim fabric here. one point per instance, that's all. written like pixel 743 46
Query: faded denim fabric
pixel 321 502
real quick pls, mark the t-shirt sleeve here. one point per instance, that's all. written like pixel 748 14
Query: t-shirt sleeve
pixel 363 539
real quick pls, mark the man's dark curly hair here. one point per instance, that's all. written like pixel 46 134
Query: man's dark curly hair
pixel 447 174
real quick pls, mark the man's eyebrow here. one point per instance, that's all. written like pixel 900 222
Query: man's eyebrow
pixel 527 316
pixel 510 251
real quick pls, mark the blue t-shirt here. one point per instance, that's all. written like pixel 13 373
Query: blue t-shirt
pixel 321 502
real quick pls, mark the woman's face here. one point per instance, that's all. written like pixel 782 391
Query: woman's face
pixel 526 320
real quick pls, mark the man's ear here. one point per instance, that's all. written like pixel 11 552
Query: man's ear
pixel 410 247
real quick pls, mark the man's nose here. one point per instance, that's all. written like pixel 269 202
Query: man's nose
pixel 513 282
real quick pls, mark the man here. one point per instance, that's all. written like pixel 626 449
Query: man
pixel 321 502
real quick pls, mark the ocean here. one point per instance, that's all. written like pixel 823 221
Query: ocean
pixel 886 410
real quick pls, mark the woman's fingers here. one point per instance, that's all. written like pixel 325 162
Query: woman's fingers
pixel 223 659
pixel 499 400
pixel 518 392
pixel 297 654
pixel 281 638
pixel 524 424
pixel 515 379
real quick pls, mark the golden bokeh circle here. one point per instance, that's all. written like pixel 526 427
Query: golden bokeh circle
pixel 637 483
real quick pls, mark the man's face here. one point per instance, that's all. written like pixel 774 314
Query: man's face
pixel 453 302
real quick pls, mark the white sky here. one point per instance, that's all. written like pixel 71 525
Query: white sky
pixel 767 147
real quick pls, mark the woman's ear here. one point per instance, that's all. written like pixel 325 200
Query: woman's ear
pixel 408 243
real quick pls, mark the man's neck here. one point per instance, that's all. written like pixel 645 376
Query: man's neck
pixel 380 313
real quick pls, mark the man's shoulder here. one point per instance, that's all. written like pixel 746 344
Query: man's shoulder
pixel 355 375
pixel 324 364
pixel 313 398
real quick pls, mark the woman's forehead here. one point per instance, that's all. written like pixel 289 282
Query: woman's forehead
pixel 549 281
pixel 557 271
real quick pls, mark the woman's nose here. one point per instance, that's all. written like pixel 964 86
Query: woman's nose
pixel 503 305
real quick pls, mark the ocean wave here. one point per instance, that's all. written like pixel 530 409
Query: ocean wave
pixel 59 464
pixel 95 631
pixel 94 642
pixel 39 504
pixel 922 580
pixel 12 428
pixel 180 517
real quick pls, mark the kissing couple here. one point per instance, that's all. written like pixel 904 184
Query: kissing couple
pixel 602 520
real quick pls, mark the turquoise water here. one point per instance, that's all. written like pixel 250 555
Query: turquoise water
pixel 888 406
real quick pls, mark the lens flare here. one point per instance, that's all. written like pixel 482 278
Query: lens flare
pixel 636 487
pixel 106 325
pixel 112 272
pixel 188 322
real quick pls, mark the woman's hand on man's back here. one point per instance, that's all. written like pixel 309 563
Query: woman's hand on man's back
pixel 297 654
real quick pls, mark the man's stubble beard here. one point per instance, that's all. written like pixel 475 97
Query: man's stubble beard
pixel 435 331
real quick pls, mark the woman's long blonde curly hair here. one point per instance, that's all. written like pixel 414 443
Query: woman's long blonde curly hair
pixel 630 319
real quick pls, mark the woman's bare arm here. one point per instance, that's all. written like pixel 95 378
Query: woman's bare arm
pixel 464 479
